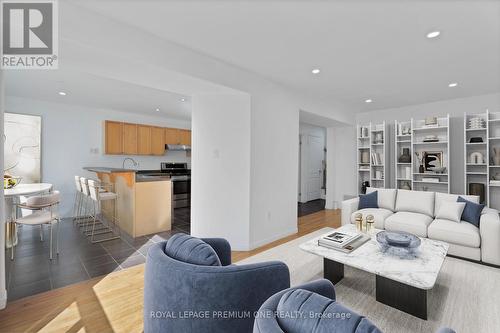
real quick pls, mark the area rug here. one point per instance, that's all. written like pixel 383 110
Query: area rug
pixel 466 296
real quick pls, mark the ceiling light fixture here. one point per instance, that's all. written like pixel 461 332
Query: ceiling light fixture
pixel 315 71
pixel 62 93
pixel 183 99
pixel 157 109
pixel 433 34
pixel 453 84
pixel 368 101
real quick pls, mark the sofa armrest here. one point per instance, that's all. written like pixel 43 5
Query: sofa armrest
pixel 265 321
pixel 349 207
pixel 489 228
pixel 222 248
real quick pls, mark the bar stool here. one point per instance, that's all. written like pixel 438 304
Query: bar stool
pixel 78 201
pixel 85 205
pixel 45 212
pixel 100 193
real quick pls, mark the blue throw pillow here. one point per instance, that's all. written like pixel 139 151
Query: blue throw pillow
pixel 191 250
pixel 472 211
pixel 368 200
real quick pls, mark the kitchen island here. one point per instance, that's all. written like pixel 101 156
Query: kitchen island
pixel 144 204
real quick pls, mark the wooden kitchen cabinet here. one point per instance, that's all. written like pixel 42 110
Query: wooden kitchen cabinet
pixel 157 140
pixel 130 138
pixel 144 140
pixel 172 136
pixel 113 137
pixel 185 137
pixel 136 139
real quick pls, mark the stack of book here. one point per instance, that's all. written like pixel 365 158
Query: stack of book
pixel 341 241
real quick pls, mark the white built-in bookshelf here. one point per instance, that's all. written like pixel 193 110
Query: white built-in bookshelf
pixel 430 147
pixel 372 157
pixel 403 169
pixel 481 166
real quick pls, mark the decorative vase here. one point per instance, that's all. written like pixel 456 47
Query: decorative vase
pixel 405 186
pixel 364 186
pixel 477 189
pixel 496 157
pixel 405 158
pixel 365 157
pixel 421 169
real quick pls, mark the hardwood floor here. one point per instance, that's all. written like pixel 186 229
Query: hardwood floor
pixel 114 302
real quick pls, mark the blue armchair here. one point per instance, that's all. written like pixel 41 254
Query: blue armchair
pixel 184 297
pixel 311 307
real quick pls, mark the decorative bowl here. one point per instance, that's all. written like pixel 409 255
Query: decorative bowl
pixel 11 182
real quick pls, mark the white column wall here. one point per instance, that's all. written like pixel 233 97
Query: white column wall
pixel 220 190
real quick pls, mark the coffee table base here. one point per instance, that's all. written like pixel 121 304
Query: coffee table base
pixel 395 294
pixel 402 296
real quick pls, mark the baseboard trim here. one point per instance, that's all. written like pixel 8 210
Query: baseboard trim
pixel 3 299
pixel 266 241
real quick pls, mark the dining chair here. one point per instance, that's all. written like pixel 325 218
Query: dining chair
pixel 45 212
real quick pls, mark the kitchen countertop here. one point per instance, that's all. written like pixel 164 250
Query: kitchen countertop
pixel 140 175
pixel 108 170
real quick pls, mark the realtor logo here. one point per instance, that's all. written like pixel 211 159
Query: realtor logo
pixel 29 34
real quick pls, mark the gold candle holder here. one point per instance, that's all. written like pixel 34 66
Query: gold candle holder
pixel 358 218
pixel 370 220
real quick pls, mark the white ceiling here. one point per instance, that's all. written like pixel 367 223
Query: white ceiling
pixel 94 91
pixel 365 49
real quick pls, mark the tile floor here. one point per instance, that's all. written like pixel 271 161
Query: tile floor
pixel 32 272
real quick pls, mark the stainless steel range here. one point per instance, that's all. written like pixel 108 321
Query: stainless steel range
pixel 180 176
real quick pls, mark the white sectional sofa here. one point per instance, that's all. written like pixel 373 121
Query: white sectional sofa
pixel 415 212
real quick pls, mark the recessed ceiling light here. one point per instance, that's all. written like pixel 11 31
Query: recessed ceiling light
pixel 368 100
pixel 183 99
pixel 433 34
pixel 315 71
pixel 157 109
pixel 453 84
pixel 62 93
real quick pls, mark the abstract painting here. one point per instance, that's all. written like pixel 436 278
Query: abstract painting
pixel 22 138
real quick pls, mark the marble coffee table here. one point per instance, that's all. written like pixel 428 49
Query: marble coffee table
pixel 401 281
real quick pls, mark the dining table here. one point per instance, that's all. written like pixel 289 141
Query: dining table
pixel 12 199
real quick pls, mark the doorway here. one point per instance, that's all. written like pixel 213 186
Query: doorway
pixel 312 169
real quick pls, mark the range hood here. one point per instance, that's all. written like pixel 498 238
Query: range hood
pixel 178 147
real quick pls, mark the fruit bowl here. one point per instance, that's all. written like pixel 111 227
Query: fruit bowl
pixel 11 182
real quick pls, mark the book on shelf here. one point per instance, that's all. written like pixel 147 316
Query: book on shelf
pixel 376 159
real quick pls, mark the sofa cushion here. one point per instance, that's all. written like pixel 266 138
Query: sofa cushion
pixel 191 250
pixel 462 233
pixel 329 316
pixel 380 214
pixel 368 200
pixel 414 223
pixel 415 201
pixel 386 197
pixel 445 197
pixel 450 211
pixel 472 211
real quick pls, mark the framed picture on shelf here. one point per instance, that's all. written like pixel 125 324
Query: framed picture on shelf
pixel 432 159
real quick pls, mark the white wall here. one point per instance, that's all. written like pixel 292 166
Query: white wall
pixel 221 168
pixel 455 108
pixel 69 133
pixel 341 161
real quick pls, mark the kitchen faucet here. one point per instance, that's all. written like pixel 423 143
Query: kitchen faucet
pixel 136 164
